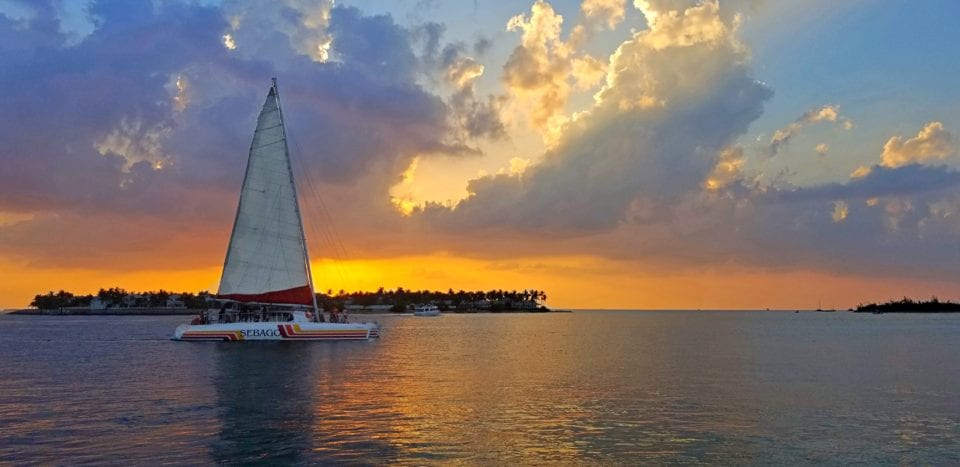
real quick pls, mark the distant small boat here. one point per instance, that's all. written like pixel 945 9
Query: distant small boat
pixel 426 310
pixel 266 289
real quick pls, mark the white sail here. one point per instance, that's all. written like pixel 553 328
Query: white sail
pixel 267 260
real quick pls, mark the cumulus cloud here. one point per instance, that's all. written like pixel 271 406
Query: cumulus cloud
pixel 623 150
pixel 652 171
pixel 538 70
pixel 596 16
pixel 649 70
pixel 607 12
pixel 544 69
pixel 932 143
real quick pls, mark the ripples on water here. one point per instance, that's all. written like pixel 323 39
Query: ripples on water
pixel 586 387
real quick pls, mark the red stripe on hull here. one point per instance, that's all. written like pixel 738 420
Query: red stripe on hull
pixel 297 296
pixel 327 336
pixel 306 338
pixel 289 332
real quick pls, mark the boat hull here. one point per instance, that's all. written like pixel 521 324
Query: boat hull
pixel 427 313
pixel 277 331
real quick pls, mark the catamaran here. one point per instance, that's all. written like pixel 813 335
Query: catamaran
pixel 266 289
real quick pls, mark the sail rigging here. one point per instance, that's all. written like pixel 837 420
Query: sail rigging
pixel 267 260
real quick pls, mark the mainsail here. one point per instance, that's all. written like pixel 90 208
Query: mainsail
pixel 267 259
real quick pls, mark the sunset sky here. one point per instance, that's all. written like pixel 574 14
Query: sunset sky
pixel 616 154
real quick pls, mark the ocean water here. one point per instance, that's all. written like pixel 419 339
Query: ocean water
pixel 572 388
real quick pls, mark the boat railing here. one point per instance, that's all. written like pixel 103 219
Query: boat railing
pixel 249 317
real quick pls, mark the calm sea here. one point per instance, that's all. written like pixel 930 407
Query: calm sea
pixel 582 388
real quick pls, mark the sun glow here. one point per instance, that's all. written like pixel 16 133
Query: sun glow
pixel 569 281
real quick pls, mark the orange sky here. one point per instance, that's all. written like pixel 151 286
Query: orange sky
pixel 570 282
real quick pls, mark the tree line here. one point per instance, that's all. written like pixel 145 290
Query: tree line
pixel 117 297
pixel 909 305
pixel 399 298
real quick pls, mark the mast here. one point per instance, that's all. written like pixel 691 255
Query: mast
pixel 303 237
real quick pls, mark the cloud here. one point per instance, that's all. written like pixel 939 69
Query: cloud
pixel 892 223
pixel 588 72
pixel 684 26
pixel 608 13
pixel 596 15
pixel 134 143
pixel 840 211
pixel 827 113
pixel 153 116
pixel 729 169
pixel 933 142
pixel 648 70
pixel 299 27
pixel 623 150
pixel 651 172
pixel 471 116
pixel 909 180
pixel 860 172
pixel 538 69
pixel 543 70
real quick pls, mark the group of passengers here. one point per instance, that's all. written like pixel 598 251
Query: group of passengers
pixel 261 314
pixel 337 316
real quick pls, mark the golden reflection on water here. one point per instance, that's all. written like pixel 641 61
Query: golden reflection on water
pixel 507 389
pixel 446 392
pixel 581 388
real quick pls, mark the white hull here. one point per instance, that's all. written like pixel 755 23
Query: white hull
pixel 427 313
pixel 277 331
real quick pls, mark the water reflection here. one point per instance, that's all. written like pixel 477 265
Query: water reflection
pixel 265 400
pixel 582 388
pixel 357 406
